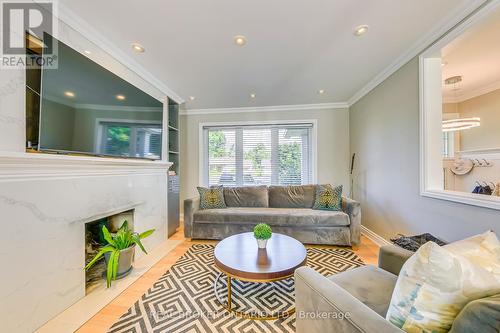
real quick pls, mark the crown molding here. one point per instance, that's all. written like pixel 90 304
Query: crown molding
pixel 448 23
pixel 58 100
pixel 474 93
pixel 83 27
pixel 101 107
pixel 118 108
pixel 276 108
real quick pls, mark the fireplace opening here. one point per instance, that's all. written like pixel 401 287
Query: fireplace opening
pixel 94 241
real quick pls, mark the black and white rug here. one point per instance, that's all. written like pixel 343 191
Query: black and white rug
pixel 183 299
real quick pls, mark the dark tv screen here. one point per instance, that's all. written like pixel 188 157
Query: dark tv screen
pixel 87 109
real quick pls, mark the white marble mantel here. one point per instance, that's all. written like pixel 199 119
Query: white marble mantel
pixel 45 201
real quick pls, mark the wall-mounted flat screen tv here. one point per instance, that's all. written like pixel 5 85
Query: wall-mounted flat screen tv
pixel 87 109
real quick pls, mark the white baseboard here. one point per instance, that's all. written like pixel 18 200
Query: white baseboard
pixel 377 239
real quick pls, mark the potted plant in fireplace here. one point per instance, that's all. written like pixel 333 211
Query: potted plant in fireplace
pixel 262 233
pixel 119 252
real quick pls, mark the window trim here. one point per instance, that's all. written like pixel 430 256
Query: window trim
pixel 431 175
pixel 203 143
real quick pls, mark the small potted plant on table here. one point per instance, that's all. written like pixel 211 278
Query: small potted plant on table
pixel 119 253
pixel 262 233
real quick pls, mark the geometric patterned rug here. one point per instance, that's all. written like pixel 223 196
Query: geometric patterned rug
pixel 183 299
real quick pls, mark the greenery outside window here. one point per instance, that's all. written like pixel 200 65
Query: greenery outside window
pixel 130 139
pixel 252 154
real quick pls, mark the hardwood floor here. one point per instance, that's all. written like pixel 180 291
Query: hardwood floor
pixel 368 251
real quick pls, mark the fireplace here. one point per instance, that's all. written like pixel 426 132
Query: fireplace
pixel 94 241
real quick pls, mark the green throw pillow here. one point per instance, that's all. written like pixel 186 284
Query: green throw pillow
pixel 328 197
pixel 211 198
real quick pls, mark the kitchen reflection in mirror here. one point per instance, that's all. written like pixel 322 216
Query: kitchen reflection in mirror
pixel 471 110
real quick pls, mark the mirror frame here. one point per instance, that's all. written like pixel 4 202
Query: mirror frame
pixel 430 98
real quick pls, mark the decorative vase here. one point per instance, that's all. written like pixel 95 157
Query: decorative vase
pixel 261 243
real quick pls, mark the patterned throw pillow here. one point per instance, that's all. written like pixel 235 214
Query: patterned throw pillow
pixel 437 282
pixel 328 197
pixel 211 198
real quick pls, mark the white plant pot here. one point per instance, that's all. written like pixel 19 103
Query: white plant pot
pixel 261 243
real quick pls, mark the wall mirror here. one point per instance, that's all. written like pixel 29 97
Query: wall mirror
pixel 460 112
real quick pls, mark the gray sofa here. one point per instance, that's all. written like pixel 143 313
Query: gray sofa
pixel 364 294
pixel 287 209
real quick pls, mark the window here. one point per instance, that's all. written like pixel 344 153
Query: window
pixel 445 89
pixel 278 154
pixel 448 144
pixel 130 139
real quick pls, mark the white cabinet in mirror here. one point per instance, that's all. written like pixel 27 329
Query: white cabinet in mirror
pixel 460 112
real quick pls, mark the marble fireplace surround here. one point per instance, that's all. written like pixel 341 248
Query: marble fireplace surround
pixel 45 202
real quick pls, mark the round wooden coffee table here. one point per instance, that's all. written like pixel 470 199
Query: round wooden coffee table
pixel 239 257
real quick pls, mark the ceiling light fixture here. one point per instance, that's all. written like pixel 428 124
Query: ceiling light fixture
pixel 192 98
pixel 455 82
pixel 87 52
pixel 253 95
pixel 360 30
pixel 120 97
pixel 460 124
pixel 240 40
pixel 444 63
pixel 321 91
pixel 69 94
pixel 138 48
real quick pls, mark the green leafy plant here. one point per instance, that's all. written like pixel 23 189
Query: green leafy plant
pixel 121 240
pixel 262 231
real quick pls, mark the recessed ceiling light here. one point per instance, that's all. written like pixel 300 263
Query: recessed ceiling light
pixel 192 98
pixel 253 95
pixel 69 94
pixel 120 97
pixel 240 40
pixel 361 30
pixel 87 52
pixel 321 91
pixel 444 63
pixel 138 48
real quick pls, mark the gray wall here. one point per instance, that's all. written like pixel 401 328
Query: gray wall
pixel 486 107
pixel 332 149
pixel 56 132
pixel 85 124
pixel 384 134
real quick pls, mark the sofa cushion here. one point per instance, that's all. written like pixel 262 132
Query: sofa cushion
pixel 301 196
pixel 481 315
pixel 369 284
pixel 246 196
pixel 273 216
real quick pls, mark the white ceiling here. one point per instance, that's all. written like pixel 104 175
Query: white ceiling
pixel 476 57
pixel 294 47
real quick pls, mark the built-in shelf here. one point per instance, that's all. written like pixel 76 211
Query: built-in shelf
pixel 174 157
